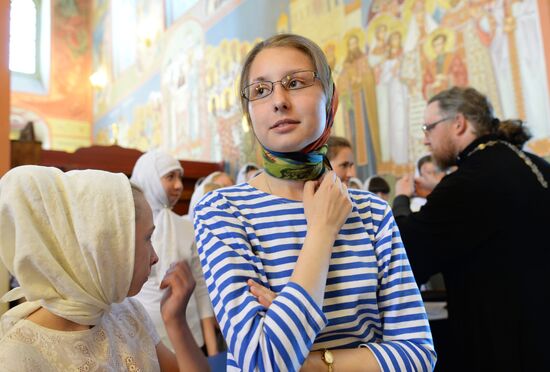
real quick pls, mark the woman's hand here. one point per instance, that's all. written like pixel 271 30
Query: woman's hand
pixel 264 296
pixel 326 203
pixel 179 284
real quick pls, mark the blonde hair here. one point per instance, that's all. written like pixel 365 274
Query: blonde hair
pixel 211 186
pixel 335 144
pixel 306 46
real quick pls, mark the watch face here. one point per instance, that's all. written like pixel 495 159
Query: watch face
pixel 328 357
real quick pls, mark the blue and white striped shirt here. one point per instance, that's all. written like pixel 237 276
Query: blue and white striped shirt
pixel 370 298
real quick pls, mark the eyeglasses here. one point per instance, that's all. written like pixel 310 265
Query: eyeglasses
pixel 294 81
pixel 428 127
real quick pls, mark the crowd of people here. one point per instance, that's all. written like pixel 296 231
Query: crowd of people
pixel 296 266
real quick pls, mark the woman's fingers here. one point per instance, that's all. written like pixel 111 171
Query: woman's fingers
pixel 179 280
pixel 264 295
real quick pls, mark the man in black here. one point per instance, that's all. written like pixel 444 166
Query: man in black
pixel 486 228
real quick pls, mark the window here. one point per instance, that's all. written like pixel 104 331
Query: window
pixel 23 36
pixel 30 45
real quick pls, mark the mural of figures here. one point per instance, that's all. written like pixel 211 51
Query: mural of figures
pixel 385 34
pixel 396 105
pixel 64 108
pixel 388 57
pixel 444 65
pixel 522 31
pixel 358 101
pixel 223 65
pixel 474 26
pixel 181 84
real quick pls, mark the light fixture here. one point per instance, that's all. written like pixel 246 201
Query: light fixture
pixel 99 79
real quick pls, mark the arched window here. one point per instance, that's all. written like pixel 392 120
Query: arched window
pixel 30 45
pixel 24 26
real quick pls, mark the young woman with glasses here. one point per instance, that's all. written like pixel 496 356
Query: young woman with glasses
pixel 303 273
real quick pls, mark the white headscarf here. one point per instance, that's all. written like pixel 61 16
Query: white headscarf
pixel 357 182
pixel 198 193
pixel 241 176
pixel 146 174
pixel 69 239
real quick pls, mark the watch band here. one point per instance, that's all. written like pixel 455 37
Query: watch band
pixel 328 358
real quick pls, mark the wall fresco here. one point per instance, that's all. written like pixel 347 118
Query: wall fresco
pixel 387 56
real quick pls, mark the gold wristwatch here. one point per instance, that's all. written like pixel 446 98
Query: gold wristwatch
pixel 328 358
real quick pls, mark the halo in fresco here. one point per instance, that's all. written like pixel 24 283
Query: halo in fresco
pixel 448 45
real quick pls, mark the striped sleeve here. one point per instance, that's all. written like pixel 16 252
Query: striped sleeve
pixel 406 337
pixel 278 338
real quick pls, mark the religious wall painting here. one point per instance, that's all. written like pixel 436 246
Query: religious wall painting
pixel 174 9
pixel 68 134
pixel 283 24
pixel 359 102
pixel 213 6
pixel 444 65
pixel 182 83
pixel 385 37
pixel 124 30
pixel 69 94
pixel 102 60
pixel 474 26
pixel 412 49
pixel 70 97
pixel 150 27
pixel 223 66
pixel 308 16
pixel 136 122
pixel 522 31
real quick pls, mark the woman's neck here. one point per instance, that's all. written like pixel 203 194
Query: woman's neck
pixel 289 189
pixel 47 319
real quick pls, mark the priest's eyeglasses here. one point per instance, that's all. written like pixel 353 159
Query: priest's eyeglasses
pixel 429 127
pixel 293 81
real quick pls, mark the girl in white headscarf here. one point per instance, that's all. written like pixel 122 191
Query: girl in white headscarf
pixel 159 175
pixel 218 177
pixel 79 245
pixel 247 171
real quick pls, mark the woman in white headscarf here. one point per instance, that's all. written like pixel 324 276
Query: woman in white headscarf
pixel 79 245
pixel 247 171
pixel 159 175
pixel 218 177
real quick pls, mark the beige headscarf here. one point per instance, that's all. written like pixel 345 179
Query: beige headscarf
pixel 69 239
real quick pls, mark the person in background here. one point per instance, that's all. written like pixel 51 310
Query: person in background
pixel 355 183
pixel 247 171
pixel 428 175
pixel 159 175
pixel 340 155
pixel 484 227
pixel 341 293
pixel 218 177
pixel 80 245
pixel 379 186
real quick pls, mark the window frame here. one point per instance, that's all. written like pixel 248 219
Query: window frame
pixel 37 82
